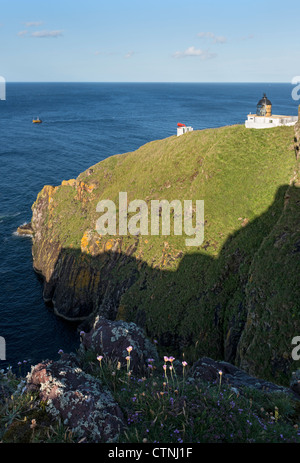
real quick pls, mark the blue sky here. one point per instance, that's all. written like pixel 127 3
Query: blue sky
pixel 149 41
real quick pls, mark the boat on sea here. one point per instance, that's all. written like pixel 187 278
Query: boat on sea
pixel 36 121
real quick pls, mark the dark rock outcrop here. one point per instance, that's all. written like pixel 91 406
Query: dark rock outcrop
pixel 80 400
pixel 208 370
pixel 112 338
pixel 295 382
pixel 25 230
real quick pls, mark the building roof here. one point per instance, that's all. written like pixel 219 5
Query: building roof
pixel 274 116
pixel 264 101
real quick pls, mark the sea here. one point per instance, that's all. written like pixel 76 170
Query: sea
pixel 84 123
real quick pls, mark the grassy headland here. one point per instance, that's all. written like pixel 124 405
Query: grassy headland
pixel 196 300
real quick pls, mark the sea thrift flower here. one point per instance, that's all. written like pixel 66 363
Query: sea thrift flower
pixel 165 369
pixel 171 370
pixel 220 374
pixel 128 361
pixel 33 424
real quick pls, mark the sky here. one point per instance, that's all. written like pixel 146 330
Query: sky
pixel 149 41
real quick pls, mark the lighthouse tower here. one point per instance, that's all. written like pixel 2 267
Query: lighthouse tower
pixel 264 107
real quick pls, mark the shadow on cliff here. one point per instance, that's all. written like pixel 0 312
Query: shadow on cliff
pixel 199 309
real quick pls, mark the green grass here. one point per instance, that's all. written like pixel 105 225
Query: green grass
pixel 163 405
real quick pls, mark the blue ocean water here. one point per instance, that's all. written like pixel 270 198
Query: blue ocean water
pixel 83 123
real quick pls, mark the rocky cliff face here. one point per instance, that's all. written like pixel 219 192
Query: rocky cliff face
pixel 201 301
pixel 297 135
pixel 77 281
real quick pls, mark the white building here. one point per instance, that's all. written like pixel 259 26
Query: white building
pixel 182 128
pixel 264 122
pixel 264 119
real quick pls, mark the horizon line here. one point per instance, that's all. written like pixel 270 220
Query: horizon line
pixel 140 82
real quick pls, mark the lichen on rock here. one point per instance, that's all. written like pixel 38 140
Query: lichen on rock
pixel 112 338
pixel 80 400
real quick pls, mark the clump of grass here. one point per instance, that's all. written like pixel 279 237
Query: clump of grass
pixel 161 404
pixel 164 405
pixel 23 416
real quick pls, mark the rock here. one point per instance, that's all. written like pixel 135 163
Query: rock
pixel 295 382
pixel 80 400
pixel 25 229
pixel 111 339
pixel 207 369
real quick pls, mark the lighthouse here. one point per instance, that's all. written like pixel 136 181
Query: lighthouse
pixel 264 119
pixel 264 107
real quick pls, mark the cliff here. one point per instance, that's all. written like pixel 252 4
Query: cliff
pixel 235 296
pixel 297 135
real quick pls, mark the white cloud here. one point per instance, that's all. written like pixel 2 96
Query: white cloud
pixel 105 53
pixel 129 54
pixel 22 33
pixel 42 34
pixel 247 37
pixel 213 37
pixel 192 51
pixel 33 23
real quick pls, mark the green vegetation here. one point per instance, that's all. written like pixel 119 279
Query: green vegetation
pixel 23 416
pixel 163 405
pixel 196 300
